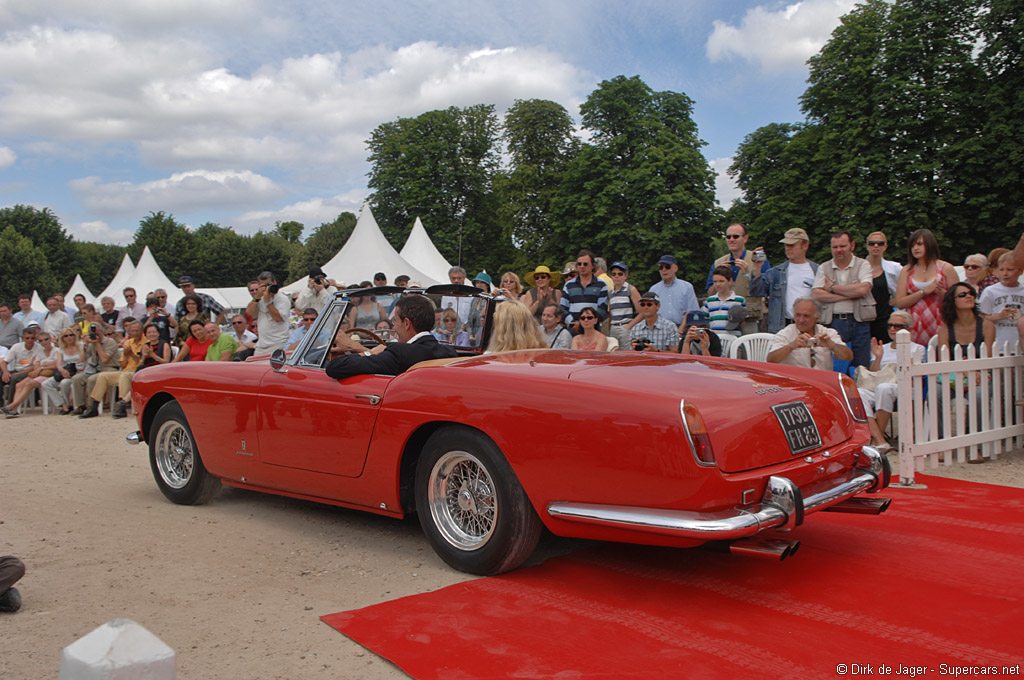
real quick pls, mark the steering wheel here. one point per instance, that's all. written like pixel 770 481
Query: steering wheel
pixel 368 333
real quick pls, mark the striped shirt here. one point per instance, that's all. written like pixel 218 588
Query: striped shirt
pixel 575 298
pixel 620 305
pixel 718 311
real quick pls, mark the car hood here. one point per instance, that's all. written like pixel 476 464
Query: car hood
pixel 735 399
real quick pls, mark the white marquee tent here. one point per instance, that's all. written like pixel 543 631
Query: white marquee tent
pixel 146 278
pixel 367 252
pixel 420 252
pixel 117 284
pixel 78 286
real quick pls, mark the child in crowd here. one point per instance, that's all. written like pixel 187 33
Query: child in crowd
pixel 722 298
pixel 1002 302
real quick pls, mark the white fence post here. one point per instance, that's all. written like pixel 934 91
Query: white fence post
pixel 118 650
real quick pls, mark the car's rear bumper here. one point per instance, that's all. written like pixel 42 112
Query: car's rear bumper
pixel 782 507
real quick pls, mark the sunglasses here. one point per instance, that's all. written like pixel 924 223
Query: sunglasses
pixel 972 266
pixel 876 243
pixel 582 264
pixel 620 273
pixel 587 318
pixel 899 326
pixel 237 323
pixel 46 339
pixel 664 266
pixel 646 304
pixel 538 276
pixel 310 320
pixel 732 236
pixel 966 293
pixel 68 336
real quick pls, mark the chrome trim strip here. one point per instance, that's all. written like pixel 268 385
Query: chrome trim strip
pixel 689 439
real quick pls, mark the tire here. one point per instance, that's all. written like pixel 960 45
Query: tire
pixel 471 506
pixel 174 458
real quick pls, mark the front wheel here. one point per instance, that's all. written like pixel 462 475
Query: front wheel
pixel 174 458
pixel 471 506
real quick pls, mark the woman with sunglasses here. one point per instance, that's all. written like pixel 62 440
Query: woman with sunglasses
pixel 590 338
pixel 449 332
pixel 962 326
pixel 885 274
pixel 41 371
pixel 880 402
pixel 975 270
pixel 70 360
pixel 511 286
pixel 545 291
pixel 922 283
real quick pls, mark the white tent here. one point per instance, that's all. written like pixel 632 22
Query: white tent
pixel 367 252
pixel 146 278
pixel 78 286
pixel 420 252
pixel 117 284
pixel 237 297
pixel 37 302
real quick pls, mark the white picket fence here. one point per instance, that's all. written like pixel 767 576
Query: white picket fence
pixel 979 418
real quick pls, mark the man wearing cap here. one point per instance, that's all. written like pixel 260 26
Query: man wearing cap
pixel 623 305
pixel 652 332
pixel 677 296
pixel 697 337
pixel 318 291
pixel 545 290
pixel 785 283
pixel 211 307
pixel 746 265
pixel 586 290
pixel 385 301
pixel 842 289
pixel 805 342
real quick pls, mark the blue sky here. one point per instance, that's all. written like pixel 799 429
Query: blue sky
pixel 246 112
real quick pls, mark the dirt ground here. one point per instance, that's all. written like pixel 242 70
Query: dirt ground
pixel 234 587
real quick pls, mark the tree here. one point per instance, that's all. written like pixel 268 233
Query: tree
pixel 96 263
pixel 25 267
pixel 539 136
pixel 42 228
pixel 289 231
pixel 641 189
pixel 218 260
pixel 265 252
pixel 440 166
pixel 169 242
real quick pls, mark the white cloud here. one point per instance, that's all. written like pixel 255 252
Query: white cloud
pixel 7 157
pixel 726 190
pixel 312 213
pixel 184 192
pixel 100 232
pixel 778 39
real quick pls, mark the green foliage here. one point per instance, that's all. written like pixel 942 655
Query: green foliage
pixel 43 230
pixel 642 188
pixel 170 243
pixel 289 231
pixel 440 166
pixel 97 263
pixel 25 268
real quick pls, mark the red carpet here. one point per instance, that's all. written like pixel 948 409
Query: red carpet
pixel 938 579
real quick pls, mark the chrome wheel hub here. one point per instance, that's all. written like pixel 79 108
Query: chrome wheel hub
pixel 462 500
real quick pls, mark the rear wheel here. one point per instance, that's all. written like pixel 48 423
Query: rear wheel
pixel 174 458
pixel 471 506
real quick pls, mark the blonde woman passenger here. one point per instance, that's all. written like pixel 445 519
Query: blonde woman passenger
pixel 514 329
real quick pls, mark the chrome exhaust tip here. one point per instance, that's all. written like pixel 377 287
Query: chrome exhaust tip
pixel 861 506
pixel 776 549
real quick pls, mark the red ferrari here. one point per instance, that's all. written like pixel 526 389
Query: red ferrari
pixel 489 449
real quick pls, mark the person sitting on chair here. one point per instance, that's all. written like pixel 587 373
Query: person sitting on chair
pixel 414 318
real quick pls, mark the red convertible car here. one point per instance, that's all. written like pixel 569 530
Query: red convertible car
pixel 488 449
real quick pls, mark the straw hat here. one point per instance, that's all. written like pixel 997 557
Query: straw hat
pixel 531 277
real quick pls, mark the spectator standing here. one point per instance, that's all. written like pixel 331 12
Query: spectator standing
pixel 10 328
pixel 993 264
pixel 462 305
pixel 511 287
pixel 69 310
pixel 79 303
pixel 213 309
pixel 224 346
pixel 590 338
pixel 807 343
pixel 586 290
pixel 318 291
pixel 1002 303
pixel 270 307
pixel 746 265
pixel 601 271
pixel 387 301
pixel 842 289
pixel 19 363
pixel 975 270
pixel 885 274
pixel 483 281
pixel 514 329
pixel 457 275
pixel 157 316
pixel 922 284
pixel 194 311
pixel 133 308
pixel 555 333
pixel 623 305
pixel 697 337
pixel 653 332
pixel 544 292
pixel 56 319
pixel 722 299
pixel 787 282
pixel 677 296
pixel 25 313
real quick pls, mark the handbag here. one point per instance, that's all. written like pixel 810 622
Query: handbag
pixel 71 367
pixel 870 380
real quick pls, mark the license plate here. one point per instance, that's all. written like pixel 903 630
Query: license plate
pixel 798 426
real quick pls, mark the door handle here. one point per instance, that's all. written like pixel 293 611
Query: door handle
pixel 374 399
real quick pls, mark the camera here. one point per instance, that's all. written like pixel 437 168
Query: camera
pixel 92 331
pixel 642 344
pixel 813 342
pixel 319 280
pixel 759 256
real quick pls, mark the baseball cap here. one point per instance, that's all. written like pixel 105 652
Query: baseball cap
pixel 737 315
pixel 619 265
pixel 651 295
pixel 667 259
pixel 697 318
pixel 186 279
pixel 794 235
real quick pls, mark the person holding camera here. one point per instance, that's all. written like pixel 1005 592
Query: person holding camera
pixel 100 357
pixel 746 265
pixel 318 291
pixel 697 338
pixel 807 343
pixel 653 333
pixel 271 308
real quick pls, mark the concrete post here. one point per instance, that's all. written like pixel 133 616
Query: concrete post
pixel 118 650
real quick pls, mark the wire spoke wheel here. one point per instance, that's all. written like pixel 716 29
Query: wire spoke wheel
pixel 175 459
pixel 462 500
pixel 175 454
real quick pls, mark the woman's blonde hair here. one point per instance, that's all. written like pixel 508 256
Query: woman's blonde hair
pixel 74 330
pixel 514 277
pixel 515 328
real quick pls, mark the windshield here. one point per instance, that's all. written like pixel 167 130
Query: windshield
pixel 315 347
pixel 459 321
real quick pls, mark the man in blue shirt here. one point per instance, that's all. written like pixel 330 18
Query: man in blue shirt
pixel 677 296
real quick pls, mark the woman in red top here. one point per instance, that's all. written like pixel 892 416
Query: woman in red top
pixel 197 344
pixel 922 283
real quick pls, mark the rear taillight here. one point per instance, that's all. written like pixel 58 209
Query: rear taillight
pixel 697 433
pixel 852 396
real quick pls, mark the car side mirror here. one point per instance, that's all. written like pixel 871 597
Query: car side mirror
pixel 277 359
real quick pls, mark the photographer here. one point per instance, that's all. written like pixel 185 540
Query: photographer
pixel 100 357
pixel 697 336
pixel 807 343
pixel 318 291
pixel 653 333
pixel 271 308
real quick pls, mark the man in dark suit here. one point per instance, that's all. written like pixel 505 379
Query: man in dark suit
pixel 414 319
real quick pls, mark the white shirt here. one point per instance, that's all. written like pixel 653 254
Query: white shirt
pixel 55 322
pixel 246 336
pixel 995 299
pixel 802 355
pixel 273 334
pixel 799 279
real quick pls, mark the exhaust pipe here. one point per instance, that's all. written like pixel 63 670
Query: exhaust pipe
pixel 861 506
pixel 776 549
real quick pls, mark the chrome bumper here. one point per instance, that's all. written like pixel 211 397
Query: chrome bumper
pixel 782 507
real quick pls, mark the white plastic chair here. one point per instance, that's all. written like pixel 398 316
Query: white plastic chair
pixel 727 342
pixel 613 344
pixel 753 347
